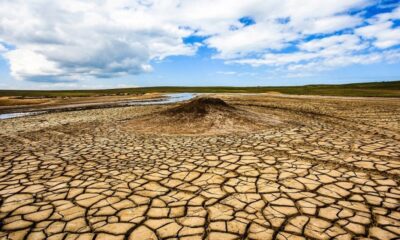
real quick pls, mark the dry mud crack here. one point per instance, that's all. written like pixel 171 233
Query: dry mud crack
pixel 329 170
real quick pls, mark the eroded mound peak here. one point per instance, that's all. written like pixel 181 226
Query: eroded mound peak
pixel 200 106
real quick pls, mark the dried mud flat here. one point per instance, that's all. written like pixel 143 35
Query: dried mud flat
pixel 328 170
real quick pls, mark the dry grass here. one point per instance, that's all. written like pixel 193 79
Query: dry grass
pixel 11 101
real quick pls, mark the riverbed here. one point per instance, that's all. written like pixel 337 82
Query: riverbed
pixel 166 99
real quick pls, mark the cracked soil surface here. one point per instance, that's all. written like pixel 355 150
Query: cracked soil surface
pixel 329 170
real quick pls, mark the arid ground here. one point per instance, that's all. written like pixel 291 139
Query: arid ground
pixel 248 166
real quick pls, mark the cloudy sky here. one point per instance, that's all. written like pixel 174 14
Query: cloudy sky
pixel 59 44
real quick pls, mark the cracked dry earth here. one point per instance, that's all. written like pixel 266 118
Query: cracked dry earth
pixel 331 171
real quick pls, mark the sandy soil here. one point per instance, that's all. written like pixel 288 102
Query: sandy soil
pixel 329 170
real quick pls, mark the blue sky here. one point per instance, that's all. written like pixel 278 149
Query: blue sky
pixel 110 44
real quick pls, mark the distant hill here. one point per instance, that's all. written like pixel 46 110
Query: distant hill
pixel 371 89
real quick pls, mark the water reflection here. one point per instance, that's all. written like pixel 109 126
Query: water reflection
pixel 19 114
pixel 169 98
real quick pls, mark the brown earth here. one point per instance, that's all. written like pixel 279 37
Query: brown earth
pixel 204 115
pixel 329 169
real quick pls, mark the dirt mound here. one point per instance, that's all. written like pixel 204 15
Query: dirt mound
pixel 199 107
pixel 200 116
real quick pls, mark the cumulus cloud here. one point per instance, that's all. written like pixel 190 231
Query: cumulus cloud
pixel 71 40
pixel 25 63
pixel 64 40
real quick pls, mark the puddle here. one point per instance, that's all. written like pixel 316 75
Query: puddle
pixel 20 114
pixel 170 98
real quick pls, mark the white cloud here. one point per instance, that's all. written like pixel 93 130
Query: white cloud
pixel 75 39
pixel 251 39
pixel 381 29
pixel 3 48
pixel 382 33
pixel 331 24
pixel 324 48
pixel 334 45
pixel 28 63
pixel 269 33
pixel 323 54
pixel 66 40
pixel 383 17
